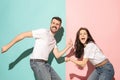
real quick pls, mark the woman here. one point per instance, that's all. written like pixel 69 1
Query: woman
pixel 85 46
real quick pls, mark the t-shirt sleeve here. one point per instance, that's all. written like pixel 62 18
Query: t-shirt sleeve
pixel 38 33
pixel 56 46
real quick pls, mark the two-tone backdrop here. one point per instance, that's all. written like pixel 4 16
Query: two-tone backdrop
pixel 102 18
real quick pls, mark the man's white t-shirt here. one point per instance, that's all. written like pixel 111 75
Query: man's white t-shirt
pixel 44 43
pixel 93 53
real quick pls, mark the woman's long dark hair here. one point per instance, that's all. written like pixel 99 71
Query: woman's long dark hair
pixel 79 47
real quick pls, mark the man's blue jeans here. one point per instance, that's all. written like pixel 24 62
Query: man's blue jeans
pixel 43 71
pixel 105 72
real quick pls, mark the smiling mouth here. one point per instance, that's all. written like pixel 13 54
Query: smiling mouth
pixel 54 27
pixel 82 38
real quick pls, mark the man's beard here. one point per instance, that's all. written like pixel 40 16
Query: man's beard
pixel 54 27
pixel 53 30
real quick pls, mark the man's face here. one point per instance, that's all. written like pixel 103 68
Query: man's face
pixel 55 26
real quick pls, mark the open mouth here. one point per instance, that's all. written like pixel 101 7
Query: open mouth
pixel 82 38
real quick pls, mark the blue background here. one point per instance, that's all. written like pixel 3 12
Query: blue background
pixel 18 16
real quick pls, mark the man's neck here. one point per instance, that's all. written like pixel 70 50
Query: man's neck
pixel 53 34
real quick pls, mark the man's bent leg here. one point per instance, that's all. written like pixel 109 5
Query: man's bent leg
pixel 54 75
pixel 40 70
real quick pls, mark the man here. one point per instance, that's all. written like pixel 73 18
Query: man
pixel 44 44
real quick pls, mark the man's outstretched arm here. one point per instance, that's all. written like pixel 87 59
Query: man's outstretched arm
pixel 58 53
pixel 15 40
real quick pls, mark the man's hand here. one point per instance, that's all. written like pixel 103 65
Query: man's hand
pixel 70 43
pixel 4 48
pixel 67 59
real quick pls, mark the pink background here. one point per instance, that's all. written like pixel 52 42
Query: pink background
pixel 102 18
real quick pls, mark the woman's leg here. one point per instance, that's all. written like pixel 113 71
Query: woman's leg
pixel 107 72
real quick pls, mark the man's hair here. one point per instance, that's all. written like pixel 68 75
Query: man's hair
pixel 57 18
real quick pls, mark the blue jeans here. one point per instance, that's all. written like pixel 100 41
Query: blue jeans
pixel 105 72
pixel 43 71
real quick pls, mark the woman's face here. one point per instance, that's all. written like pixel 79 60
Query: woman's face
pixel 83 36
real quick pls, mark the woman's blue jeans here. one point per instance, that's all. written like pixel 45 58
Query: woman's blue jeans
pixel 43 71
pixel 105 72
